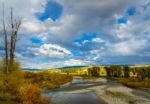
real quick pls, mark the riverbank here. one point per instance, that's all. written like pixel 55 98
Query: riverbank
pixel 134 82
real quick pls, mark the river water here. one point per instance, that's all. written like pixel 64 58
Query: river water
pixel 93 91
pixel 74 93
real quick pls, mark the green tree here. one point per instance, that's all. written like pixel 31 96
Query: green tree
pixel 115 70
pixel 148 71
pixel 94 71
pixel 108 71
pixel 143 72
pixel 126 71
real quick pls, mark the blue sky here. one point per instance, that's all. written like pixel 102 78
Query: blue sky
pixel 58 33
pixel 52 10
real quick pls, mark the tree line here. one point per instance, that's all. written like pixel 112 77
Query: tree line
pixel 122 71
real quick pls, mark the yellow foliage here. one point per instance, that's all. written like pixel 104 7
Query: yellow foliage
pixel 31 94
pixel 47 80
pixel 14 80
pixel 15 66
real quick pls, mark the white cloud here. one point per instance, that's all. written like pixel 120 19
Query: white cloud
pixel 51 50
pixel 85 16
pixel 32 27
pixel 57 64
pixel 43 36
pixel 98 40
pixel 76 62
pixel 95 40
pixel 131 38
pixel 77 44
pixel 85 41
pixel 25 8
pixel 78 17
pixel 123 31
pixel 127 48
pixel 136 26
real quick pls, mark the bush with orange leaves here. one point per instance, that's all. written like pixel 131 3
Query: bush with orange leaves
pixel 31 94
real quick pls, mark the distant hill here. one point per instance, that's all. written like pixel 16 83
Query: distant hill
pixel 69 67
pixel 30 69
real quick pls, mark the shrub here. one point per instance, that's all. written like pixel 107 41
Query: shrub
pixel 15 66
pixel 49 85
pixel 47 80
pixel 13 81
pixel 134 82
pixel 2 87
pixel 31 94
pixel 9 84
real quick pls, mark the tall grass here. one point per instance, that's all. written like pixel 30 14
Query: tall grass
pixel 15 89
pixel 48 80
pixel 135 82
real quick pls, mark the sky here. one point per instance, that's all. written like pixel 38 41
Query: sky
pixel 58 33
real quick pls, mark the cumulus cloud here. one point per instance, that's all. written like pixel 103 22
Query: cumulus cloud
pixel 51 50
pixel 86 16
pixel 112 39
pixel 32 27
pixel 127 48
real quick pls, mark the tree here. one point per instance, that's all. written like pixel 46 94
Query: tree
pixel 108 71
pixel 15 25
pixel 126 71
pixel 14 28
pixel 6 41
pixel 94 71
pixel 143 72
pixel 115 70
pixel 148 71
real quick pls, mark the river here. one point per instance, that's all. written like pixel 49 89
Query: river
pixel 92 92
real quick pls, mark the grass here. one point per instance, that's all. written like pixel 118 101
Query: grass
pixel 48 80
pixel 9 102
pixel 21 87
pixel 134 82
pixel 85 77
pixel 14 89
